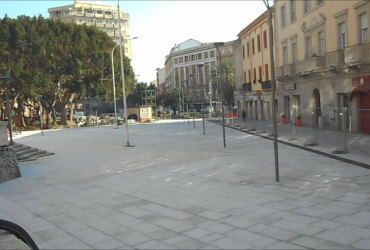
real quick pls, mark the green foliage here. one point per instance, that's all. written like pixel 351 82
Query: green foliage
pixel 58 61
pixel 228 80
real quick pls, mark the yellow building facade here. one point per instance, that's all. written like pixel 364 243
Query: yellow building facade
pixel 322 63
pixel 254 94
pixel 102 15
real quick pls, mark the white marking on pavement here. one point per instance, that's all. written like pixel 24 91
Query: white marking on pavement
pixel 212 174
pixel 191 171
pixel 127 161
pixel 177 169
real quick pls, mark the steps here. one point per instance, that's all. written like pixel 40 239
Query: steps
pixel 27 153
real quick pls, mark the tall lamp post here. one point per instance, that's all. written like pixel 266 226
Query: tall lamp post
pixel 6 80
pixel 190 76
pixel 273 90
pixel 200 65
pixel 114 86
pixel 123 75
pixel 217 45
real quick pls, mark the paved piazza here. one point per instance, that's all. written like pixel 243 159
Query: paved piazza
pixel 180 189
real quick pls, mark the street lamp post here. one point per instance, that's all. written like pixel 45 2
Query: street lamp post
pixel 273 90
pixel 123 76
pixel 6 80
pixel 114 86
pixel 190 76
pixel 200 65
pixel 41 116
pixel 217 45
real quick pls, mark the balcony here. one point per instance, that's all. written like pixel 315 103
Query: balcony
pixel 111 34
pixel 289 70
pixel 108 16
pixel 89 14
pixel 358 54
pixel 89 24
pixel 99 25
pixel 266 85
pixel 109 25
pixel 335 59
pixel 311 65
pixel 247 87
pixel 279 72
pixel 99 15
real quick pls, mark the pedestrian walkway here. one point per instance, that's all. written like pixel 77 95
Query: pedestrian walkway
pixel 348 146
pixel 180 189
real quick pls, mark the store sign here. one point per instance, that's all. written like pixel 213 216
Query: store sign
pixel 289 86
pixel 360 80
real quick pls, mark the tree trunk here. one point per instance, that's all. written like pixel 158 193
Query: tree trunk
pixel 63 115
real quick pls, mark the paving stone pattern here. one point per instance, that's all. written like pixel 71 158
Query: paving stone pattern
pixel 180 189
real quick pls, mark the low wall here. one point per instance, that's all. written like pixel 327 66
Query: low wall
pixel 9 168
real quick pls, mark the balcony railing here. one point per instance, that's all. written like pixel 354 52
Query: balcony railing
pixel 311 65
pixel 108 15
pixel 266 85
pixel 111 34
pixel 99 15
pixel 89 24
pixel 335 59
pixel 88 14
pixel 289 69
pixel 109 25
pixel 279 72
pixel 357 54
pixel 100 25
pixel 247 87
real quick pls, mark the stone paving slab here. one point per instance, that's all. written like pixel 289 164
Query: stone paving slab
pixel 172 190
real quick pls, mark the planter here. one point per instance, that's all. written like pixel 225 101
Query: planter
pixel 45 126
pixel 283 120
pixel 299 122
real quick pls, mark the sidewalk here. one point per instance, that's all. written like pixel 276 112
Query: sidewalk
pixel 346 146
pixel 180 189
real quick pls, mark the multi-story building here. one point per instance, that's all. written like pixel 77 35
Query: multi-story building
pixel 323 63
pixel 182 70
pixel 102 15
pixel 254 94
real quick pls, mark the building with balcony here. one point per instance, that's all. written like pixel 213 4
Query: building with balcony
pixel 254 94
pixel 323 63
pixel 181 70
pixel 102 15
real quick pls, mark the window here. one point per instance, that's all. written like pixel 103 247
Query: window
pixel 245 76
pixel 308 48
pixel 259 43
pixel 186 58
pixel 321 51
pixel 125 41
pixel 249 76
pixel 192 57
pixel 294 52
pixel 248 49
pixel 254 75
pixel 292 10
pixel 342 36
pixel 126 50
pixel 230 50
pixel 364 18
pixel 267 72
pixel 285 55
pixel 260 73
pixel 319 2
pixel 200 56
pixel 212 53
pixel 181 60
pixel 205 55
pixel 243 52
pixel 307 6
pixel 283 16
pixel 253 50
pixel 176 61
pixel 264 39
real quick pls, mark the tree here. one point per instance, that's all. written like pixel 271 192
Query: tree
pixel 228 80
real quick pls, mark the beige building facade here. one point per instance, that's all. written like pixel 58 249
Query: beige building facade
pixel 322 63
pixel 254 93
pixel 102 15
pixel 182 71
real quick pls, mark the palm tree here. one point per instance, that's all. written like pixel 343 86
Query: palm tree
pixel 228 80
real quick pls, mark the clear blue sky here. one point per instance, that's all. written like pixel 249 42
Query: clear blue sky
pixel 160 24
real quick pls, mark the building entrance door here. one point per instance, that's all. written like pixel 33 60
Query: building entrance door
pixel 365 112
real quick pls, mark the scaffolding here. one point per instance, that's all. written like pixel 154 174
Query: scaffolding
pixel 149 98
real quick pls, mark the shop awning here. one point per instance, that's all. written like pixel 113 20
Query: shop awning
pixel 359 89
